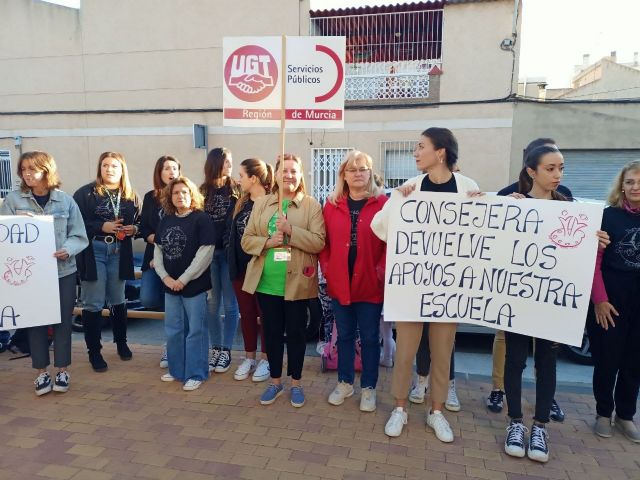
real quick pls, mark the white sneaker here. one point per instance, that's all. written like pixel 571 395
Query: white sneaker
pixel 368 400
pixel 244 369
pixel 452 404
pixel 514 444
pixel 320 347
pixel 167 377
pixel 262 372
pixel 387 354
pixel 440 426
pixel 419 390
pixel 343 390
pixel 191 384
pixel 396 422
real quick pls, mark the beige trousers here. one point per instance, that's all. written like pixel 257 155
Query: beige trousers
pixel 499 355
pixel 441 339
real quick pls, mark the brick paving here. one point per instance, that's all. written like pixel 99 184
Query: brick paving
pixel 126 423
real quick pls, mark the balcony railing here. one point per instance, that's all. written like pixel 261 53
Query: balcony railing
pixel 389 55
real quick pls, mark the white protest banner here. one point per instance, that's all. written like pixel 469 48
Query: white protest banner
pixel 29 294
pixel 524 266
pixel 313 73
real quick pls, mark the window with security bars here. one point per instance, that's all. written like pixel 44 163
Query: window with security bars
pixel 325 163
pixel 398 163
pixel 390 51
pixel 6 179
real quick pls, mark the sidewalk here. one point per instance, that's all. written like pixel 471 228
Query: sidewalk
pixel 126 423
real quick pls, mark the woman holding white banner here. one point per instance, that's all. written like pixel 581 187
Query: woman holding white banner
pixel 353 261
pixel 39 195
pixel 614 326
pixel 437 154
pixel 110 209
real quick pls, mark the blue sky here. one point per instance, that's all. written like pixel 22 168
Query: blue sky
pixel 555 33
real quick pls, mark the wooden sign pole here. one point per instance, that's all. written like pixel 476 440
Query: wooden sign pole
pixel 283 112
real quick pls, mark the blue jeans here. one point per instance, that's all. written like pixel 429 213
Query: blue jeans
pixel 108 288
pixel 221 334
pixel 365 317
pixel 152 291
pixel 187 342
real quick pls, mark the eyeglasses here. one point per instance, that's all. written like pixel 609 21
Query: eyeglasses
pixel 631 183
pixel 361 170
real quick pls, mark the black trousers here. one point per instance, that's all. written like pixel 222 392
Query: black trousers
pixel 423 357
pixel 38 336
pixel 280 317
pixel 545 354
pixel 616 351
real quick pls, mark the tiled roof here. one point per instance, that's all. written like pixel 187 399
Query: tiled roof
pixel 400 7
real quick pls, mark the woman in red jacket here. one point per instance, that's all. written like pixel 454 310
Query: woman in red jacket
pixel 353 264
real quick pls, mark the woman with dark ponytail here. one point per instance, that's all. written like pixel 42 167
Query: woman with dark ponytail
pixel 256 179
pixel 539 179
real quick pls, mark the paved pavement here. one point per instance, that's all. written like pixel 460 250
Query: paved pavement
pixel 125 423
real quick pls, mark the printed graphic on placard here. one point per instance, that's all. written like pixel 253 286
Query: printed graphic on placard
pixel 523 266
pixel 313 76
pixel 571 233
pixel 28 271
pixel 251 73
pixel 18 270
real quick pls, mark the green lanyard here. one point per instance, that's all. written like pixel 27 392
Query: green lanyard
pixel 115 204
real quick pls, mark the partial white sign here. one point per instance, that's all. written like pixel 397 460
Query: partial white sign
pixel 313 76
pixel 29 294
pixel 524 266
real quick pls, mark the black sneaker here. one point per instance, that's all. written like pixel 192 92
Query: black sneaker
pixel 514 443
pixel 213 358
pixel 61 383
pixel 538 447
pixel 43 384
pixel 123 351
pixel 495 401
pixel 556 414
pixel 224 361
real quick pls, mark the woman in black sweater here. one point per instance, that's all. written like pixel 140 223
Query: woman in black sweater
pixel 110 210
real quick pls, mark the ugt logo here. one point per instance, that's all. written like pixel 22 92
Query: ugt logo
pixel 251 73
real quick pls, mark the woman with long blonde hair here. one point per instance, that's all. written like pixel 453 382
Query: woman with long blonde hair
pixel 110 209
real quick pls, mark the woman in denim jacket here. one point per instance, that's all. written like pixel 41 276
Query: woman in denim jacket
pixel 39 195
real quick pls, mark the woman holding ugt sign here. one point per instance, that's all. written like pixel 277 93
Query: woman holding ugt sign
pixel 284 271
pixel 437 154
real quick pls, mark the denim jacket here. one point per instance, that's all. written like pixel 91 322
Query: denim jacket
pixel 67 222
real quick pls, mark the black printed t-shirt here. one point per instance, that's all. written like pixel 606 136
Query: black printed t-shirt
pixel 180 238
pixel 355 207
pixel 238 259
pixel 41 199
pixel 449 186
pixel 623 254
pixel 219 204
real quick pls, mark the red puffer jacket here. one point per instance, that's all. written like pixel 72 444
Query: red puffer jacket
pixel 367 283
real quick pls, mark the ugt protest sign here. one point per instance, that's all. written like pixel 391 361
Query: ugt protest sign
pixel 311 68
pixel 28 272
pixel 524 266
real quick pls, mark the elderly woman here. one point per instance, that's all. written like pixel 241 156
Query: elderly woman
pixel 614 325
pixel 353 260
pixel 39 195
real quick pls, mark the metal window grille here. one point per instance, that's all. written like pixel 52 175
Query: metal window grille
pixel 398 163
pixel 325 163
pixel 389 55
pixel 6 179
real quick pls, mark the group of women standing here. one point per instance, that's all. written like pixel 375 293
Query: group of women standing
pixel 256 245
